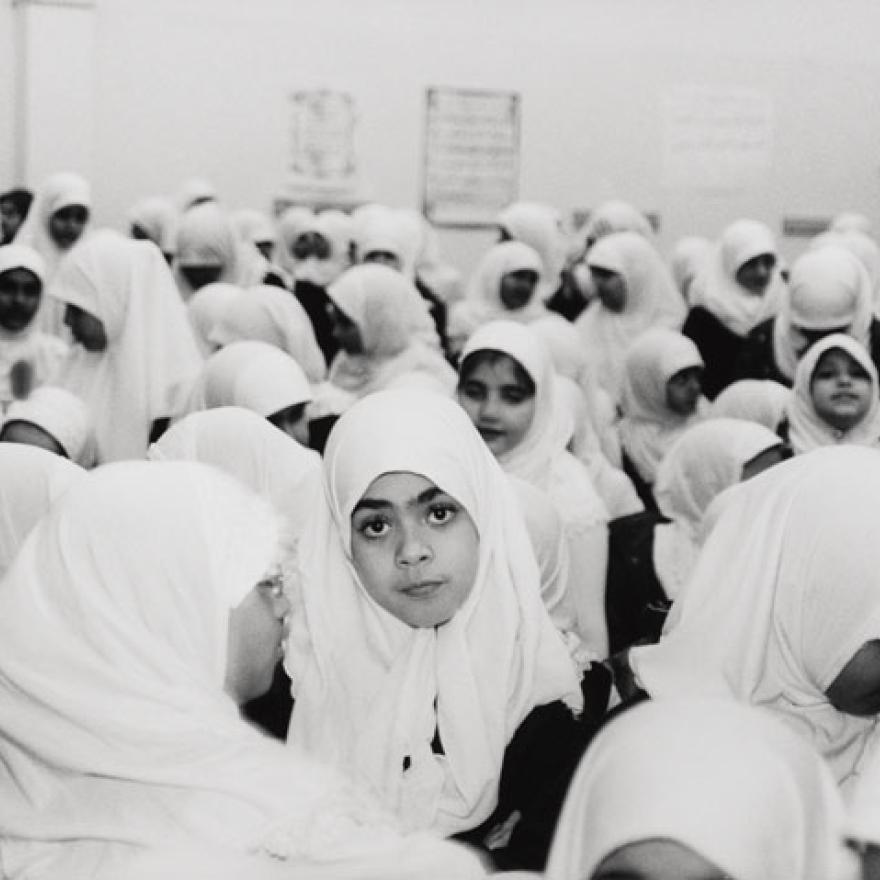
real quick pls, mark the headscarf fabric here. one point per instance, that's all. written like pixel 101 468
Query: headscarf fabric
pixel 205 310
pixel 726 781
pixel 762 618
pixel 207 237
pixel 370 690
pixel 762 401
pixel 157 216
pixel 540 227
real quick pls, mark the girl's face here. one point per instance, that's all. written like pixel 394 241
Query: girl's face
pixel 345 331
pixel 293 421
pixel 415 548
pixel 85 328
pixel 383 258
pixel 20 294
pixel 66 225
pixel 840 389
pixel 199 276
pixel 657 860
pixel 610 288
pixel 517 288
pixel 498 403
pixel 31 435
pixel 755 274
pixel 683 391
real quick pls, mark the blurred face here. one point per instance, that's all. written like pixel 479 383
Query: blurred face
pixel 383 258
pixel 840 389
pixel 31 435
pixel 266 248
pixel 683 391
pixel 292 420
pixel 10 221
pixel 763 461
pixel 517 288
pixel 657 860
pixel 311 244
pixel 415 549
pixel 755 274
pixel 198 277
pixel 66 225
pixel 138 233
pixel 85 328
pixel 20 294
pixel 256 633
pixel 345 331
pixel 610 288
pixel 499 403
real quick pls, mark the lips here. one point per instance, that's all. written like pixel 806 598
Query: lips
pixel 490 433
pixel 423 589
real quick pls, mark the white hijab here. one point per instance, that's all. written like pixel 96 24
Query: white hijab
pixel 396 329
pixel 828 289
pixel 652 300
pixel 763 619
pixel 716 289
pixel 806 429
pixel 274 315
pixel 649 427
pixel 205 310
pixel 616 215
pixel 541 457
pixel 706 459
pixel 151 359
pixel 369 690
pixel 118 735
pixel 207 237
pixel 253 451
pixel 755 400
pixel 157 216
pixel 30 480
pixel 726 781
pixel 540 227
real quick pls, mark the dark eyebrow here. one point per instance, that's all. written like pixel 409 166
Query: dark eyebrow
pixel 429 495
pixel 370 504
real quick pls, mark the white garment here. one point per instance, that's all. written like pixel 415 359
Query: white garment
pixel 63 416
pixel 62 190
pixel 761 401
pixel 291 224
pixel 828 289
pixel 151 359
pixel 763 619
pixel 806 429
pixel 205 310
pixel 540 227
pixel 30 480
pixel 726 781
pixel 649 427
pixel 157 217
pixel 117 732
pixel 370 690
pixel 716 289
pixel 616 215
pixel 542 459
pixel 206 237
pixel 265 459
pixel 273 315
pixel 652 300
pixel 702 463
pixel 862 246
pixel 686 260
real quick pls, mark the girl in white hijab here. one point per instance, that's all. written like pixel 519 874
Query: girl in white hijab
pixel 207 249
pixel 135 359
pixel 205 310
pixel 686 260
pixel 634 292
pixel 30 480
pixel 155 219
pixel 291 223
pixel 738 287
pixel 836 397
pixel 616 216
pixel 273 315
pixel 661 398
pixel 28 357
pixel 507 385
pixel 386 332
pixel 763 618
pixel 762 401
pixel 123 735
pixel 540 227
pixel 705 788
pixel 57 220
pixel 422 643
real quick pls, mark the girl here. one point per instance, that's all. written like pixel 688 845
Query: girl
pixel 135 359
pixel 661 398
pixel 738 287
pixel 507 387
pixel 207 249
pixel 163 616
pixel 835 397
pixel 205 309
pixel 422 658
pixel 763 618
pixel 155 219
pixel 634 292
pixel 701 789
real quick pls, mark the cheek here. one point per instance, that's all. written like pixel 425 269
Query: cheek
pixel 374 565
pixel 469 405
pixel 519 419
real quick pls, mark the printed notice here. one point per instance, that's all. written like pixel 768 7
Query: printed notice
pixel 322 143
pixel 471 160
pixel 716 138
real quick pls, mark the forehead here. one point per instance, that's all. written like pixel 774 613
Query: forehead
pixel 399 487
pixel 18 275
pixel 499 370
pixel 837 357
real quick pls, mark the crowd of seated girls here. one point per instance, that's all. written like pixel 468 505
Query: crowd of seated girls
pixel 319 563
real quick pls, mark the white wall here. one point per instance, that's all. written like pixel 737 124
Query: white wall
pixel 185 87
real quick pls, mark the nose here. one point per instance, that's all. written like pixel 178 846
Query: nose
pixel 489 408
pixel 413 549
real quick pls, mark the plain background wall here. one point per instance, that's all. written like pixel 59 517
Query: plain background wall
pixel 200 87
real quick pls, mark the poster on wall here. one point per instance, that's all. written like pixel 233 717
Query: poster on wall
pixel 322 155
pixel 471 157
pixel 716 138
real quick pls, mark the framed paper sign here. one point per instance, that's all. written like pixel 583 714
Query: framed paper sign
pixel 471 158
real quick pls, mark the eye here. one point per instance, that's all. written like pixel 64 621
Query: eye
pixel 442 513
pixel 514 395
pixel 374 527
pixel 473 390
